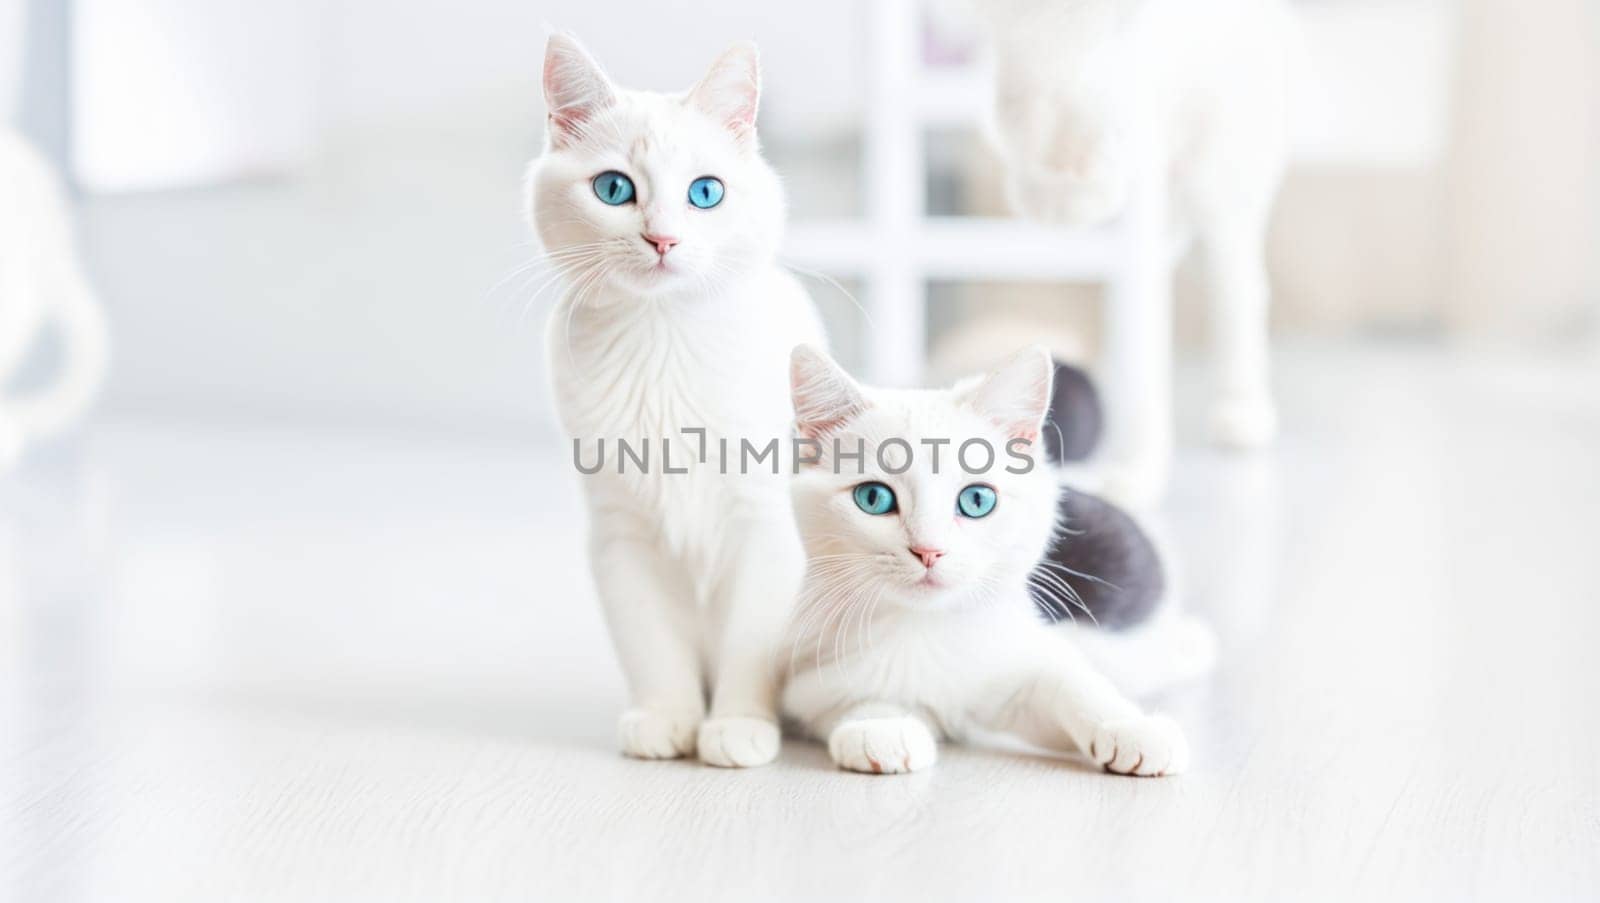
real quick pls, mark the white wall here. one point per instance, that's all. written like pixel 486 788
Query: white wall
pixel 388 61
pixel 363 283
pixel 168 93
pixel 358 284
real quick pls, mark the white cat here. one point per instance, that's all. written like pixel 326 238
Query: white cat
pixel 665 221
pixel 1203 84
pixel 40 282
pixel 915 621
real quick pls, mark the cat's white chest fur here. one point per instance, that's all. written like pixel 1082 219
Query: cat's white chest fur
pixel 697 388
pixel 675 337
pixel 939 664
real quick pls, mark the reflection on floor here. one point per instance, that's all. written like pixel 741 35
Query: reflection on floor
pixel 252 665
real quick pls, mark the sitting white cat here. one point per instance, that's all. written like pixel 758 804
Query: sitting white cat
pixel 665 221
pixel 915 621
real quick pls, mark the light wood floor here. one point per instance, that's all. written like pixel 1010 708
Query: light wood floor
pixel 251 665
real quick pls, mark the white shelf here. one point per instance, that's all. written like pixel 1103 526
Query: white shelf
pixel 942 248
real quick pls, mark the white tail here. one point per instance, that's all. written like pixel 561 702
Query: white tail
pixel 40 283
pixel 84 357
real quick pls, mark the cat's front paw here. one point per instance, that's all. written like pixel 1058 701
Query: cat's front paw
pixel 893 745
pixel 654 734
pixel 1147 746
pixel 739 742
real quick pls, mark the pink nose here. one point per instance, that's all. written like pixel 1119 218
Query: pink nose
pixel 662 243
pixel 929 556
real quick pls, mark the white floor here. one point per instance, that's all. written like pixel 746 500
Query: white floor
pixel 265 665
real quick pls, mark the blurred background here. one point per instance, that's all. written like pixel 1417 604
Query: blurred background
pixel 299 611
pixel 311 212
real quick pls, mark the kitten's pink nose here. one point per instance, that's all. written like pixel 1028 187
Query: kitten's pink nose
pixel 662 243
pixel 929 557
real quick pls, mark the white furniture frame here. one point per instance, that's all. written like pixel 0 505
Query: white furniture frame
pixel 899 248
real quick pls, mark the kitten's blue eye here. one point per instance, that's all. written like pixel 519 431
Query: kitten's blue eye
pixel 613 187
pixel 874 498
pixel 976 500
pixel 706 192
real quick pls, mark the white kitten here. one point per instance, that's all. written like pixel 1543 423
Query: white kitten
pixel 1205 83
pixel 40 282
pixel 915 621
pixel 676 317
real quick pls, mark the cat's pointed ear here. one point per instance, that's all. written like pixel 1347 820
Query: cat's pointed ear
pixel 575 88
pixel 1016 395
pixel 731 92
pixel 825 397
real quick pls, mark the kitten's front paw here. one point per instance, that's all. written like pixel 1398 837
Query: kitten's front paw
pixel 883 745
pixel 1244 422
pixel 652 734
pixel 1147 746
pixel 739 742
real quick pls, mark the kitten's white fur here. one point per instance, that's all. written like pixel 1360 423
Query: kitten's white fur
pixel 887 653
pixel 697 571
pixel 41 282
pixel 1077 81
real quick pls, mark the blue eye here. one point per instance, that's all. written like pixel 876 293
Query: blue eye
pixel 613 187
pixel 975 501
pixel 706 192
pixel 874 498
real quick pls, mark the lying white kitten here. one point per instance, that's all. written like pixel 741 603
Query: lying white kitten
pixel 40 282
pixel 916 621
pixel 665 221
pixel 1077 82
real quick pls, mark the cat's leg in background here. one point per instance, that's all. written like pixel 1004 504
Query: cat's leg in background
pixel 76 310
pixel 752 600
pixel 72 305
pixel 880 738
pixel 649 605
pixel 1062 702
pixel 41 279
pixel 1233 249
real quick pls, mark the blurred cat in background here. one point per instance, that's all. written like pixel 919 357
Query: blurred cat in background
pixel 1079 82
pixel 664 220
pixel 41 281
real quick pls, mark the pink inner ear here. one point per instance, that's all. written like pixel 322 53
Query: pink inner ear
pixel 574 89
pixel 824 397
pixel 731 92
pixel 743 114
pixel 566 124
pixel 734 107
pixel 817 429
